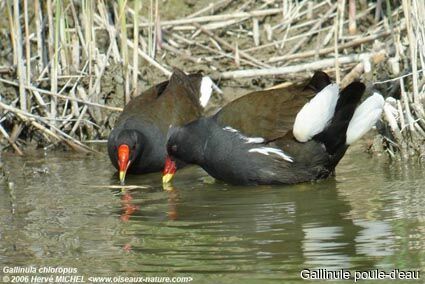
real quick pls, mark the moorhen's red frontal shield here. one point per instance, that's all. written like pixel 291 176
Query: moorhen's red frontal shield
pixel 123 160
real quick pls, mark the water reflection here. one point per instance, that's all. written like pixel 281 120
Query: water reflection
pixel 128 208
pixel 173 199
pixel 212 231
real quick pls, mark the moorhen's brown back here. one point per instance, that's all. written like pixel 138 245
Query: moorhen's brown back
pixel 173 102
pixel 269 114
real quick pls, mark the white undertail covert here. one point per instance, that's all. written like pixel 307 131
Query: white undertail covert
pixel 365 117
pixel 316 114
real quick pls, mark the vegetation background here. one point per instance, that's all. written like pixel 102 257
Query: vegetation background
pixel 68 67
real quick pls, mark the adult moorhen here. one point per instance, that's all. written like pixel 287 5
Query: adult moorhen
pixel 137 143
pixel 277 136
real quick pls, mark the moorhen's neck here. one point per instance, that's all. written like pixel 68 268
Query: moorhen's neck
pixel 192 140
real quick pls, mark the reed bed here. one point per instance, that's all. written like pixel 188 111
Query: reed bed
pixel 68 67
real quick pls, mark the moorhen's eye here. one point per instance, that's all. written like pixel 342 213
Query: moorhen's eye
pixel 171 149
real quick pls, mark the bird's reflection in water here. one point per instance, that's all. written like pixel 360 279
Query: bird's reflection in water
pixel 173 197
pixel 128 209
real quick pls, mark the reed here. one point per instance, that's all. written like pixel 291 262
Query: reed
pixel 406 116
pixel 74 64
pixel 137 7
pixel 55 68
pixel 124 48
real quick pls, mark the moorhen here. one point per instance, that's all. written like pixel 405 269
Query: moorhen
pixel 277 136
pixel 137 143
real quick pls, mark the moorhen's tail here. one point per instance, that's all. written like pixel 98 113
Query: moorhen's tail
pixel 316 114
pixel 206 87
pixel 350 121
pixel 365 117
pixel 200 87
pixel 334 118
pixel 334 135
pixel 318 82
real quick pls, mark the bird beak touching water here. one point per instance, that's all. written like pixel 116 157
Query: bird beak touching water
pixel 169 170
pixel 123 161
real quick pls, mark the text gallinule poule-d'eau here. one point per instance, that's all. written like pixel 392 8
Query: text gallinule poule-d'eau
pixel 277 136
pixel 137 143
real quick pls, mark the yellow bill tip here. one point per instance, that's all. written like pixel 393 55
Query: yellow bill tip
pixel 167 178
pixel 122 177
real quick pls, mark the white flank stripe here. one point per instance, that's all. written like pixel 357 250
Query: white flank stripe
pixel 251 140
pixel 365 117
pixel 316 114
pixel 231 129
pixel 254 140
pixel 268 150
pixel 206 90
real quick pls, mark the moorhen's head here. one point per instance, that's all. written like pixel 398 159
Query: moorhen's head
pixel 128 148
pixel 187 145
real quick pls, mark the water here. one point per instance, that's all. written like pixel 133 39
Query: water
pixel 370 216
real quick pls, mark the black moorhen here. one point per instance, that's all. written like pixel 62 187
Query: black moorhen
pixel 137 143
pixel 277 136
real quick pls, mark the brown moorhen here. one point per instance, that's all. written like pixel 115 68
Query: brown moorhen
pixel 137 143
pixel 277 136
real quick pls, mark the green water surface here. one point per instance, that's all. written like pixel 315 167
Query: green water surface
pixel 370 216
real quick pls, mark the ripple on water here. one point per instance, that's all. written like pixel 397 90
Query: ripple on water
pixel 369 216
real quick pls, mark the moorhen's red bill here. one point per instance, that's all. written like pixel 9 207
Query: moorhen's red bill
pixel 277 136
pixel 137 143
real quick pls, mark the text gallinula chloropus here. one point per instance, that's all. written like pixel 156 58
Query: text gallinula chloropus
pixel 137 143
pixel 277 136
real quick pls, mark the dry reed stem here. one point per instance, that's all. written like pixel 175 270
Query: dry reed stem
pixel 27 44
pixel 55 64
pixel 211 6
pixel 105 20
pixel 41 91
pixel 352 26
pixel 158 30
pixel 61 136
pixel 214 51
pixel 11 142
pixel 124 49
pixel 228 46
pixel 19 55
pixel 317 65
pixel 213 18
pixel 311 32
pixel 150 59
pixel 123 187
pixel 137 7
pixel 408 125
pixel 339 13
pixel 315 27
pixel 10 17
pixel 78 28
pixel 150 32
pixel 354 43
